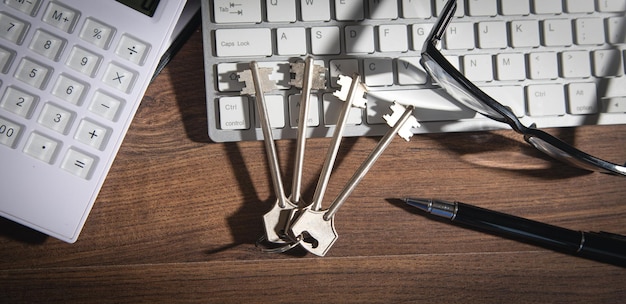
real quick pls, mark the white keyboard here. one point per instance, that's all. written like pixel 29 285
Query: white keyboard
pixel 72 74
pixel 556 63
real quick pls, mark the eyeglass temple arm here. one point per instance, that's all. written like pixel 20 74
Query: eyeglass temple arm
pixel 445 19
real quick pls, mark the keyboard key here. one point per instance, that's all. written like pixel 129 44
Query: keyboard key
pixel 524 33
pixel 420 33
pixel 611 5
pixel 615 29
pixel 460 36
pixel 342 67
pixel 575 64
pixel 41 147
pixel 248 42
pixel 33 73
pixel 325 40
pixel 393 38
pixel 78 163
pixel 582 98
pixel 510 66
pixel 557 32
pixel 378 71
pixel 6 58
pixel 276 111
pixel 349 10
pixel 12 29
pixel 607 63
pixel 18 102
pixel 383 9
pixel 69 89
pixel 132 49
pixel 61 17
pixel 291 41
pixel 545 99
pixel 92 134
pixel 47 45
pixel 234 113
pixel 83 61
pixel 119 77
pixel 460 7
pixel 55 118
pixel 410 71
pixel 332 108
pixel 228 11
pixel 359 39
pixel 97 33
pixel 589 31
pixel 105 105
pixel 492 34
pixel 614 105
pixel 482 7
pixel 9 132
pixel 417 9
pixel 547 6
pixel 478 67
pixel 281 11
pixel 315 10
pixel 313 119
pixel 579 6
pixel 27 7
pixel 510 96
pixel 543 65
pixel 515 7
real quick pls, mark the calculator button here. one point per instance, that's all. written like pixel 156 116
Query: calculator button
pixel 83 61
pixel 105 105
pixel 41 147
pixel 60 17
pixel 78 163
pixel 47 45
pixel 132 49
pixel 69 89
pixel 92 134
pixel 18 102
pixel 97 33
pixel 118 77
pixel 55 118
pixel 6 57
pixel 12 29
pixel 28 7
pixel 32 73
pixel 9 132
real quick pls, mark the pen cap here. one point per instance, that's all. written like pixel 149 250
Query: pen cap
pixel 605 247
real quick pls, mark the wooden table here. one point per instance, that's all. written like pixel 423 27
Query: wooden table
pixel 178 217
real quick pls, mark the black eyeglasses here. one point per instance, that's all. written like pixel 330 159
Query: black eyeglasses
pixel 464 91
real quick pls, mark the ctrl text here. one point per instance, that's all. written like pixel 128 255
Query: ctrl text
pixel 234 113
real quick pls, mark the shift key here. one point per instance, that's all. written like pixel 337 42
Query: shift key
pixel 243 42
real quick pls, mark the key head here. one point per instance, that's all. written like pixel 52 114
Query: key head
pixel 358 96
pixel 246 76
pixel 318 81
pixel 318 234
pixel 276 220
pixel 405 130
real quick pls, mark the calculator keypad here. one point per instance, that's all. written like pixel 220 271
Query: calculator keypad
pixel 64 129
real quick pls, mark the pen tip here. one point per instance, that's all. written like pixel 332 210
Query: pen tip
pixel 420 203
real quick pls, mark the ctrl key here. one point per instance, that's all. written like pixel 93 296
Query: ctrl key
pixel 234 113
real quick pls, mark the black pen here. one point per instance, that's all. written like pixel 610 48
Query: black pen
pixel 600 246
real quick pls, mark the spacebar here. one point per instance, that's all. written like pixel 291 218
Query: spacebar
pixel 430 105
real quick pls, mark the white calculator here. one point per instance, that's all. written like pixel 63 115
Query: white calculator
pixel 72 74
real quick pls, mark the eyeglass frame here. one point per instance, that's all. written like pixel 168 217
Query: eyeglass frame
pixel 555 147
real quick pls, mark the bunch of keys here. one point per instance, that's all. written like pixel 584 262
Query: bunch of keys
pixel 291 221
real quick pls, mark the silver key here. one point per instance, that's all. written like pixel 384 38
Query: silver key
pixel 257 82
pixel 320 225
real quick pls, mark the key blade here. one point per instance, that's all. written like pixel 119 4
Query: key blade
pixel 318 80
pixel 397 112
pixel 358 96
pixel 319 234
pixel 267 85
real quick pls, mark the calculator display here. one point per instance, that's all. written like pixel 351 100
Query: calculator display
pixel 147 7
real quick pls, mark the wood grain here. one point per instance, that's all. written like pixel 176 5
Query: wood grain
pixel 178 217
